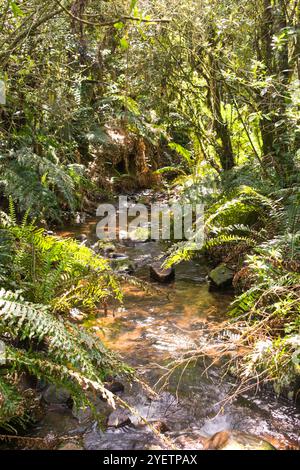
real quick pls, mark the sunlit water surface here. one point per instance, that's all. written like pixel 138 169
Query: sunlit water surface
pixel 149 331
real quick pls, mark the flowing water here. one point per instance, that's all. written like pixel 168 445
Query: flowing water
pixel 150 330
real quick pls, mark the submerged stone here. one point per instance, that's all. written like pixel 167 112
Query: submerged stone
pixel 70 446
pixel 122 263
pixel 159 274
pixel 114 386
pixel 118 418
pixel 236 440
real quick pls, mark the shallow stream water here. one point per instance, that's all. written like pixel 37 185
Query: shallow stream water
pixel 149 331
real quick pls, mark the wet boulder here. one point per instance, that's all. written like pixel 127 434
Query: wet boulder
pixel 118 257
pixel 82 239
pixel 121 263
pixel 108 249
pixel 80 218
pixel 159 274
pixel 161 427
pixel 111 441
pixel 103 248
pixel 236 440
pixel 221 277
pixel 56 396
pixel 119 418
pixel 70 446
pixel 77 315
pixel 85 414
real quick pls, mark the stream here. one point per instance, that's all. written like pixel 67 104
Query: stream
pixel 148 331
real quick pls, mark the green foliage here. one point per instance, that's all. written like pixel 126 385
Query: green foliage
pixel 36 183
pixel 269 276
pixel 186 154
pixel 12 404
pixel 238 206
pixel 272 308
pixel 53 270
pixel 265 222
pixel 42 277
pixel 241 215
pixel 215 94
pixel 52 349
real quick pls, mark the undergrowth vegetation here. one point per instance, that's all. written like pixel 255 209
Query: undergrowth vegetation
pixel 52 270
pixel 257 233
pixel 43 278
pixel 271 306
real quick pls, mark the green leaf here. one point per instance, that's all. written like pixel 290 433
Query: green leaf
pixel 124 43
pixel 130 104
pixel 120 25
pixel 15 9
pixel 186 154
pixel 133 4
pixel 168 169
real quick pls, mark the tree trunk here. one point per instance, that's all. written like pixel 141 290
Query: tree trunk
pixel 274 124
pixel 225 150
pixel 214 99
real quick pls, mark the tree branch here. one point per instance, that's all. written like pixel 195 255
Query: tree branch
pixel 29 31
pixel 111 22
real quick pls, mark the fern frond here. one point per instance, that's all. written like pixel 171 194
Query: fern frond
pixel 224 239
pixel 12 404
pixel 68 356
pixel 35 183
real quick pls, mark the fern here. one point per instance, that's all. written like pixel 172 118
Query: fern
pixel 55 271
pixel 36 183
pixel 55 350
pixel 50 275
pixel 12 404
pixel 225 223
pixel 237 204
pixel 224 239
pixel 271 307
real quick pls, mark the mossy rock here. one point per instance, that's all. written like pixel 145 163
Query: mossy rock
pixel 56 396
pixel 221 277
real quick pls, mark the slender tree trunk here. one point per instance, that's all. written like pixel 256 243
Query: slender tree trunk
pixel 273 99
pixel 265 56
pixel 225 150
pixel 214 99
